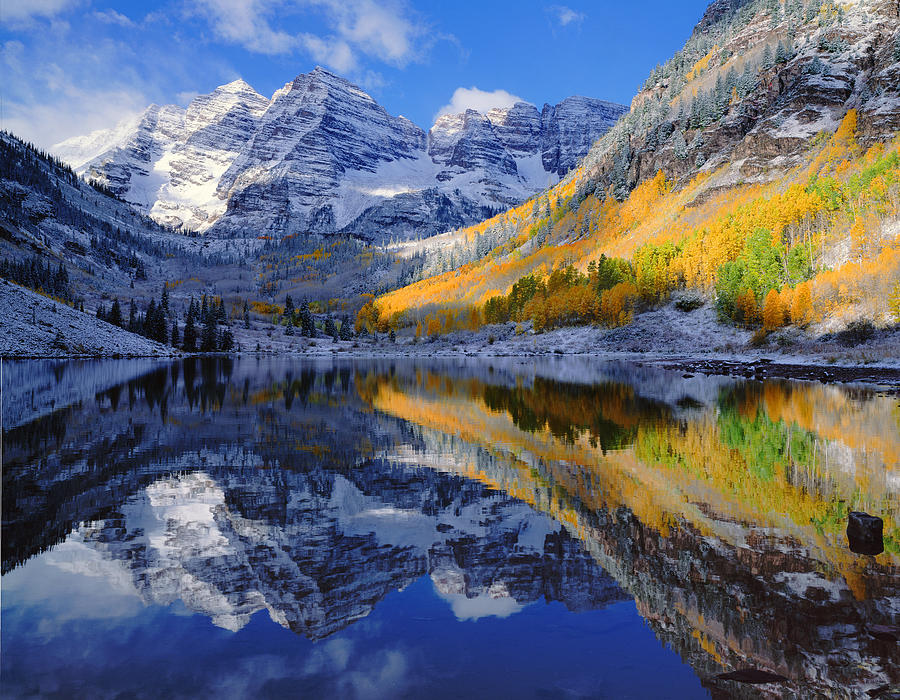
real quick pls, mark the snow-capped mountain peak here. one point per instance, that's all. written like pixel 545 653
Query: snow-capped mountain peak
pixel 323 156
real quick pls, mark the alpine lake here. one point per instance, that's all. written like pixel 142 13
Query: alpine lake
pixel 259 527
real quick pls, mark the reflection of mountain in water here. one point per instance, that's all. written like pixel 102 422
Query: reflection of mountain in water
pixel 719 505
pixel 319 550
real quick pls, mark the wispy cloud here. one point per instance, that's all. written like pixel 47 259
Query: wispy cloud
pixel 564 16
pixel 19 12
pixel 248 24
pixel 388 31
pixel 479 100
pixel 56 85
pixel 113 17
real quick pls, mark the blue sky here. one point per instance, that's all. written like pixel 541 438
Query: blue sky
pixel 71 66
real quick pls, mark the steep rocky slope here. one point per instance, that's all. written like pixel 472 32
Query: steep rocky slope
pixel 754 84
pixel 322 156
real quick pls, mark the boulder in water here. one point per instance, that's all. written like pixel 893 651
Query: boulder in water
pixel 865 533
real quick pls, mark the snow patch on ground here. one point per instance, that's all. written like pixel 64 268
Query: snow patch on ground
pixel 32 325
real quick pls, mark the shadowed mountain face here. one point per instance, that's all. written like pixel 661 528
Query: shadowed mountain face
pixel 317 493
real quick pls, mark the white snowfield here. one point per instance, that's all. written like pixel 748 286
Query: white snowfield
pixel 32 325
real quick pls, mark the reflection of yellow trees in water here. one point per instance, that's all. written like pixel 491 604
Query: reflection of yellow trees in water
pixel 787 456
pixel 704 514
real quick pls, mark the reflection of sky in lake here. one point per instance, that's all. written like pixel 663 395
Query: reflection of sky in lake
pixel 72 628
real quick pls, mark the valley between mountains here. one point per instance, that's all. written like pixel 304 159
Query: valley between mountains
pixel 746 204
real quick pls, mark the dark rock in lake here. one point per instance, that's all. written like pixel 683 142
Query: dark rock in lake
pixel 886 633
pixel 865 533
pixel 751 675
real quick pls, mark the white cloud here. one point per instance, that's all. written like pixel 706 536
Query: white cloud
pixel 55 85
pixel 479 100
pixel 185 97
pixel 19 11
pixel 113 17
pixel 331 52
pixel 382 29
pixel 565 15
pixel 385 30
pixel 246 22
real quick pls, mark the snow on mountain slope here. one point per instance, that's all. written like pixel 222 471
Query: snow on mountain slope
pixel 322 156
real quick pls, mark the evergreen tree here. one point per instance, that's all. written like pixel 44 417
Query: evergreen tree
pixel 190 333
pixel 307 324
pixel 115 314
pixel 174 340
pixel 768 60
pixel 164 299
pixel 101 312
pixel 680 146
pixel 346 333
pixel 208 335
pixel 289 306
pixel 226 340
pixel 246 315
pixel 148 327
pixel 781 54
pixel 330 328
pixel 133 323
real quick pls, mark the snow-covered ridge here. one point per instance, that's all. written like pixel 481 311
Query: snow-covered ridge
pixel 322 156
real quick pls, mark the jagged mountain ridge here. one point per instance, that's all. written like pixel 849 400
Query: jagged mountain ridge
pixel 322 156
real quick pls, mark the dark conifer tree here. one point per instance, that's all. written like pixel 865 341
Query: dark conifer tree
pixel 226 340
pixel 346 331
pixel 190 334
pixel 115 314
pixel 307 324
pixel 208 336
pixel 134 324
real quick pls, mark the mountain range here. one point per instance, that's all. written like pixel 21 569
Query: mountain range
pixel 322 156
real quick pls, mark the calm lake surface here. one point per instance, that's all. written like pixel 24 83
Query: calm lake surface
pixel 506 528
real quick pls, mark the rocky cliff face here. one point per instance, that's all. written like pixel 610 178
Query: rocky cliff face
pixel 322 156
pixel 753 85
pixel 169 162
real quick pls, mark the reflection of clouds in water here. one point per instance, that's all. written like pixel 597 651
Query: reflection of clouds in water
pixel 334 669
pixel 72 582
pixel 450 585
pixel 248 676
pixel 382 675
pixel 484 605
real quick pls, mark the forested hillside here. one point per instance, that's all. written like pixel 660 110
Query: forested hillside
pixel 759 168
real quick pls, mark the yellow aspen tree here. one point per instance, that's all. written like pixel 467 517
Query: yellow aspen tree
pixel 772 315
pixel 786 298
pixel 801 306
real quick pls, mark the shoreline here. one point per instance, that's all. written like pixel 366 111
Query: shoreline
pixel 792 367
